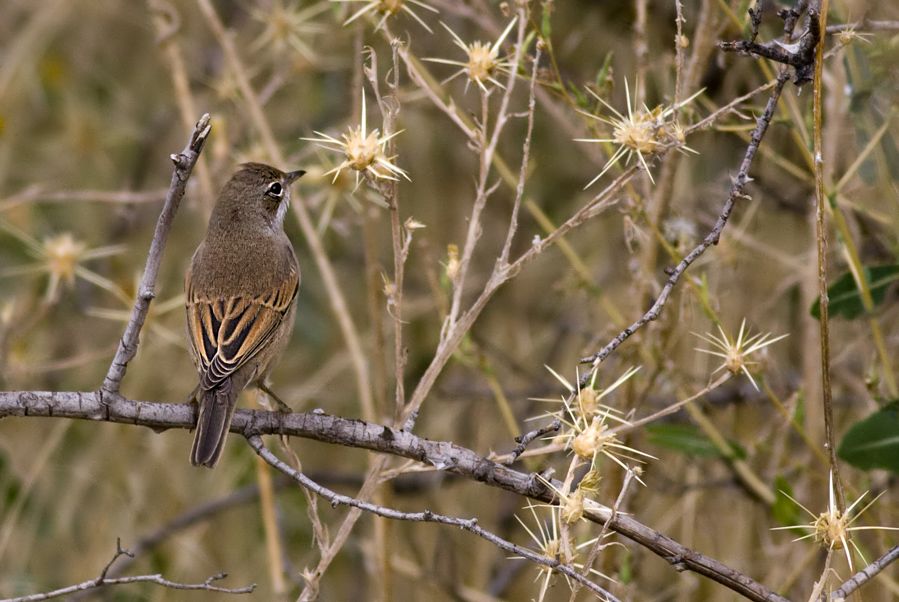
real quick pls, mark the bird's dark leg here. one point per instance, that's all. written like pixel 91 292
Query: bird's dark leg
pixel 282 407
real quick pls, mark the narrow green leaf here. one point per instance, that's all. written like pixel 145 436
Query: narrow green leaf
pixel 603 80
pixel 784 510
pixel 874 441
pixel 845 297
pixel 799 410
pixel 546 30
pixel 626 570
pixel 684 438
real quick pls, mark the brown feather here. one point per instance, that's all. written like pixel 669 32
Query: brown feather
pixel 241 289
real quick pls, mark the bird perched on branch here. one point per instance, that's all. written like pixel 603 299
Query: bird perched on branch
pixel 241 290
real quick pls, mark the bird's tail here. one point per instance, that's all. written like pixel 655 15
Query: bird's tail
pixel 216 409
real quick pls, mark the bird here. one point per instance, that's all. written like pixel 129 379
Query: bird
pixel 241 289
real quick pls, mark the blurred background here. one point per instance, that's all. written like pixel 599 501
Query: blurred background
pixel 95 95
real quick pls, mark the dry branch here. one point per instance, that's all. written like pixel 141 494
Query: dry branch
pixel 866 574
pixel 442 455
pixel 103 580
pixel 425 516
pixel 184 164
pixel 736 193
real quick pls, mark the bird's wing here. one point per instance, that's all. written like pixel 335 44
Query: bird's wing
pixel 225 333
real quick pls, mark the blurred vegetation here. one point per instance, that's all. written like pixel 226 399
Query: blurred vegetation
pixel 89 115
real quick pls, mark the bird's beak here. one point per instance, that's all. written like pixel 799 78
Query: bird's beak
pixel 292 176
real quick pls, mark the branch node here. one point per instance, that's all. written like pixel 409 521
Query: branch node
pixel 799 55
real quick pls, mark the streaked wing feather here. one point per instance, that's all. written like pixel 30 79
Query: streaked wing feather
pixel 226 333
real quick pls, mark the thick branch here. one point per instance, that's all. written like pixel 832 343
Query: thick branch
pixel 442 455
pixel 184 164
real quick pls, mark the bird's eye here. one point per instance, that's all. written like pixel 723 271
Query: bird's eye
pixel 275 189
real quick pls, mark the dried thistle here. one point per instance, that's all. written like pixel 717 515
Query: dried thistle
pixel 288 26
pixel 389 8
pixel 61 257
pixel 832 528
pixel 363 151
pixel 642 132
pixel 482 59
pixel 736 352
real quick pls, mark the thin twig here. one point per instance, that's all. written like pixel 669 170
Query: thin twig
pixel 736 192
pixel 471 525
pixel 103 580
pixel 864 25
pixel 487 148
pixel 401 238
pixel 598 545
pixel 525 158
pixel 36 194
pixel 526 439
pixel 821 246
pixel 184 164
pixel 866 574
pixel 680 42
pixel 196 515
pixel 641 51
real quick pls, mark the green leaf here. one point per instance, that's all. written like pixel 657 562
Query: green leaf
pixel 845 297
pixel 874 441
pixel 799 411
pixel 9 484
pixel 684 438
pixel 626 570
pixel 546 30
pixel 579 97
pixel 603 79
pixel 784 510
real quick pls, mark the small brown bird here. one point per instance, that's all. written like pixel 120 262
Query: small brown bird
pixel 241 287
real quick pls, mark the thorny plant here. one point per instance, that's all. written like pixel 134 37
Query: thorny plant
pixel 735 352
pixel 641 133
pixel 832 529
pixel 483 62
pixel 546 536
pixel 519 79
pixel 389 8
pixel 364 151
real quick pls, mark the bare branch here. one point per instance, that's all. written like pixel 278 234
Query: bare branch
pixel 37 194
pixel 102 581
pixel 184 164
pixel 524 440
pixel 821 202
pixel 800 56
pixel 864 25
pixel 470 525
pixel 525 158
pixel 736 193
pixel 865 575
pixel 442 455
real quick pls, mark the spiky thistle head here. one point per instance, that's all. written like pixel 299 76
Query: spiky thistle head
pixel 736 351
pixel 364 151
pixel 483 61
pixel 642 132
